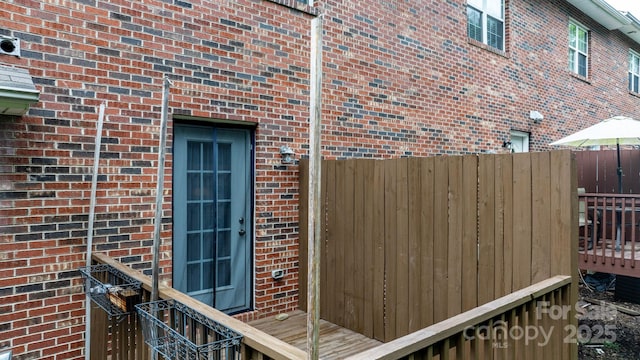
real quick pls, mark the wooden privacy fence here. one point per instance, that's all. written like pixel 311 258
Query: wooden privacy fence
pixel 407 243
pixel 597 171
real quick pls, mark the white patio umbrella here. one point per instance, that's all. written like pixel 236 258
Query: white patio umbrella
pixel 618 130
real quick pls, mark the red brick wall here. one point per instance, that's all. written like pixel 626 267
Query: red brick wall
pixel 244 61
pixel 400 79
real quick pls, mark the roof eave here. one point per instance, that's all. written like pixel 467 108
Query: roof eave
pixel 609 17
pixel 602 12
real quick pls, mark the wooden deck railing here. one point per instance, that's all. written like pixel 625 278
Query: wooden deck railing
pixel 532 323
pixel 122 340
pixel 610 233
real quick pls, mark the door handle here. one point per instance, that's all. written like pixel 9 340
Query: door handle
pixel 242 232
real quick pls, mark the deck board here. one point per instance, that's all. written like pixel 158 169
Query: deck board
pixel 335 342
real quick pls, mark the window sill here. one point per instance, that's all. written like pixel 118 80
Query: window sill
pixel 484 46
pixel 580 77
pixel 634 94
pixel 297 5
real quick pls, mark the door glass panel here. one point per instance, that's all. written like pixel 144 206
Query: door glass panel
pixel 193 184
pixel 208 216
pixel 207 275
pixel 224 215
pixel 193 277
pixel 207 245
pixel 207 186
pixel 193 247
pixel 224 243
pixel 224 272
pixel 193 217
pixel 193 155
pixel 207 156
pixel 224 156
pixel 224 186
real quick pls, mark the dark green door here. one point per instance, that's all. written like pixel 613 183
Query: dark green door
pixel 212 215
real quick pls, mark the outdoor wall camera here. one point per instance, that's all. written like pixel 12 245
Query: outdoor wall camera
pixel 9 46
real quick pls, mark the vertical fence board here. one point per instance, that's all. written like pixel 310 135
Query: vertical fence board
pixel 427 240
pixel 343 226
pixel 506 214
pixel 440 239
pixel 348 220
pixel 552 350
pixel 565 225
pixel 402 247
pixel 378 236
pixel 359 246
pixel 124 339
pixel 324 209
pixel 303 212
pixel 564 222
pixel 469 252
pixel 521 220
pixel 142 350
pixel 368 244
pixel 490 259
pixel 540 216
pixel 454 253
pixel 390 199
pixel 99 333
pixel 328 287
pixel 531 345
pixel 414 246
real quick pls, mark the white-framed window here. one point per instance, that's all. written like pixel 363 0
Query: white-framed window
pixel 578 49
pixel 485 22
pixel 634 71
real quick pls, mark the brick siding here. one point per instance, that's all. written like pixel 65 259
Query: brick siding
pixel 400 79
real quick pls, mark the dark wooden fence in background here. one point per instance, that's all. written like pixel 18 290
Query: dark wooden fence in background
pixel 597 171
pixel 410 242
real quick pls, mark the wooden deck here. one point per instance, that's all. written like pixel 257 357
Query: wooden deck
pixel 335 342
pixel 611 219
pixel 624 262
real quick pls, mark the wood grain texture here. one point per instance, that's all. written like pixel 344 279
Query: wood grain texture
pixel 335 342
pixel 451 232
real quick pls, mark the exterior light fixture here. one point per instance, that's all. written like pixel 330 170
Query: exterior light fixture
pixel 287 154
pixel 536 117
pixel 507 145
